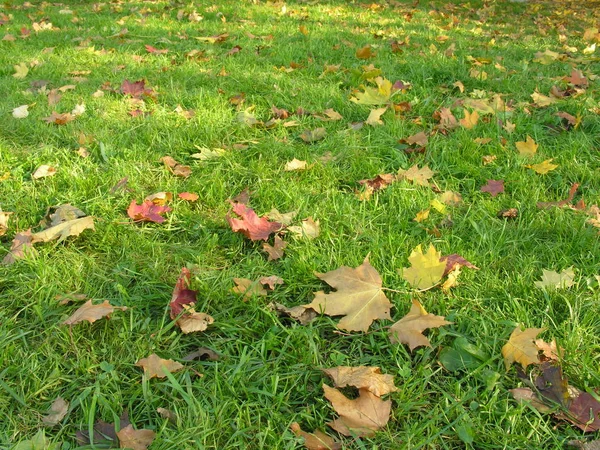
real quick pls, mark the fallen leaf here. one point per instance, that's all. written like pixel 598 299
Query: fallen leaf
pixel 207 153
pixel 416 139
pixel 271 281
pixel 155 366
pixel 450 198
pixel 426 268
pixel 160 198
pixel 135 439
pixel 313 135
pixel 91 312
pixel 283 218
pixel 20 112
pixel 527 148
pixel 452 280
pixel 379 182
pixel 365 52
pixel 550 350
pixel 541 101
pixel 369 378
pixel 543 167
pixel 521 347
pixel 422 216
pixel 374 118
pixel 276 250
pixel 361 416
pixel 526 395
pixel 358 297
pixel 332 115
pixel 59 118
pixel 453 261
pixel 584 445
pixel 21 71
pixel 509 127
pixel 64 229
pixel 136 89
pixel 43 171
pixel 188 196
pixel 167 414
pixel 560 203
pixel 202 354
pixel 22 245
pixel 416 175
pixel 248 288
pixel 470 119
pixel 409 329
pixel 309 229
pixel 147 212
pixel 374 96
pixel 317 440
pixel 58 411
pixel 4 216
pixel 295 164
pixel 250 225
pixel 300 313
pixel 182 295
pixel 446 119
pixel 493 187
pixel 192 321
pixel 555 280
pixel 546 57
pixel 175 168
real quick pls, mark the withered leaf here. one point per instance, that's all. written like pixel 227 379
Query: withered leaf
pixel 300 313
pixel 202 354
pixel 135 439
pixel 276 250
pixel 21 246
pixel 369 378
pixel 313 135
pixel 493 187
pixel 521 347
pixel 416 175
pixel 58 410
pixel 175 168
pixel 147 211
pixel 453 261
pixel 155 366
pixel 358 297
pixel 43 171
pixel 136 89
pixel 271 281
pixel 182 295
pixel 308 229
pixel 248 288
pixel 379 182
pixel 4 216
pixel 361 416
pixel 91 312
pixel 409 329
pixel 555 280
pixel 64 229
pixel 426 269
pixel 59 118
pixel 250 225
pixel 317 440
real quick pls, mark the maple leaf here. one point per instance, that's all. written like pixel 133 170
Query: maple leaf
pixel 275 251
pixel 43 171
pixel 64 229
pixel 409 329
pixel 135 439
pixel 175 168
pixel 446 119
pixel 527 148
pixel 564 202
pixel 20 248
pixel 248 288
pixel 58 411
pixel 416 175
pixel 91 312
pixel 154 366
pixel 426 268
pixel 365 52
pixel 374 118
pixel 147 211
pixel 555 280
pixel 543 167
pixel 374 96
pixel 295 164
pixel 451 198
pixel 182 295
pixel 369 378
pixel 309 229
pixel 470 119
pixel 381 181
pixel 521 347
pixel 416 139
pixel 188 196
pixel 300 313
pixel 317 440
pixel 358 297
pixel 250 225
pixel 135 89
pixel 358 417
pixel 21 71
pixel 494 187
pixel 313 135
pixel 59 118
pixel 453 261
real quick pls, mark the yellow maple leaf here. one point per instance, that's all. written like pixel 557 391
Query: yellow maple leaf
pixel 416 175
pixel 527 148
pixel 470 119
pixel 426 268
pixel 543 167
pixel 521 347
pixel 21 70
pixel 409 329
pixel 374 96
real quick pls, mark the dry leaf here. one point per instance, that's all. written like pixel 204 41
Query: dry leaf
pixel 4 216
pixel 91 312
pixel 43 171
pixel 248 287
pixel 416 139
pixel 361 416
pixel 381 181
pixel 295 164
pixel 493 187
pixel 135 439
pixel 374 118
pixel 555 280
pixel 148 211
pixel 275 251
pixel 192 321
pixel 422 216
pixel 450 198
pixel 188 196
pixel 250 225
pixel 313 135
pixel 416 175
pixel 64 229
pixel 155 367
pixel 409 329
pixel 358 297
pixel 59 118
pixel 369 378
pixel 21 71
pixel 22 245
pixel 521 347
pixel 283 218
pixel 365 52
pixel 308 229
pixel 470 119
pixel 57 412
pixel 175 168
pixel 300 313
pixel 374 96
pixel 316 440
pixel 527 148
pixel 20 112
pixel 543 167
pixel 426 269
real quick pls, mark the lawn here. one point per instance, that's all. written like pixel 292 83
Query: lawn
pixel 236 90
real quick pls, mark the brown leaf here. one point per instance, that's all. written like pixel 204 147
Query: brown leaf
pixel 275 251
pixel 526 395
pixel 64 229
pixel 369 378
pixel 135 439
pixel 313 135
pixel 4 216
pixel 416 175
pixel 43 171
pixel 250 225
pixel 470 119
pixel 175 168
pixel 192 321
pixel 316 440
pixel 57 412
pixel 155 367
pixel 136 89
pixel 409 329
pixel 365 52
pixel 521 347
pixel 358 297
pixel 188 196
pixel 494 187
pixel 564 202
pixel 147 212
pixel 59 118
pixel 361 416
pixel 309 229
pixel 248 288
pixel 416 139
pixel 91 312
pixel 453 261
pixel 202 354
pixel 271 281
pixel 21 247
pixel 300 313
pixel 379 182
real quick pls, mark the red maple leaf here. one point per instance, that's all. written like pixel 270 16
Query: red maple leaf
pixel 147 211
pixel 181 294
pixel 250 225
pixel 156 51
pixel 494 187
pixel 136 89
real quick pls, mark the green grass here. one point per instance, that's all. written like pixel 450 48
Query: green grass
pixel 268 375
